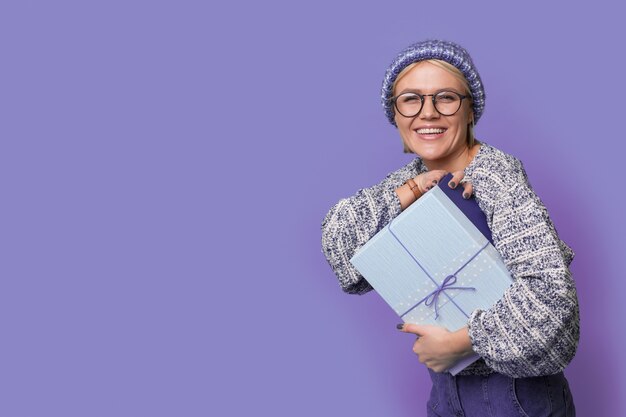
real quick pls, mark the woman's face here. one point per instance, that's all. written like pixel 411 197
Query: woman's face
pixel 445 150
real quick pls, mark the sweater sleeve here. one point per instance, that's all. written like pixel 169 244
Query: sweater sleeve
pixel 534 328
pixel 352 221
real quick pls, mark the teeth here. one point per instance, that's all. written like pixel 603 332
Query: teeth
pixel 430 131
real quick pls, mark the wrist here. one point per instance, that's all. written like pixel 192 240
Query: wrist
pixel 460 343
pixel 405 195
pixel 415 189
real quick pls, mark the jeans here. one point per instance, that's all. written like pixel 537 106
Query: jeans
pixel 498 395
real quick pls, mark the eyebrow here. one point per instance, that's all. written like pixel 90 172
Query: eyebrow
pixel 417 90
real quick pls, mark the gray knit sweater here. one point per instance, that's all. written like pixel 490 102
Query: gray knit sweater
pixel 534 328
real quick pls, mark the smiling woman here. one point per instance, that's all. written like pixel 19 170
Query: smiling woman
pixel 407 105
pixel 436 129
pixel 433 94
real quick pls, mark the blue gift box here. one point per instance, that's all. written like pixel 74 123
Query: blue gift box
pixel 432 265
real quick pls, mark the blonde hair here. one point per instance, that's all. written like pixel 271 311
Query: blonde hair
pixel 471 140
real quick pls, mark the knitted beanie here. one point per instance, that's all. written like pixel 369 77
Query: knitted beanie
pixel 434 49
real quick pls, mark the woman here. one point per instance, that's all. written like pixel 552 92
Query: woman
pixel 433 94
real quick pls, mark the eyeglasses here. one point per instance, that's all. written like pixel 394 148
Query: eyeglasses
pixel 446 103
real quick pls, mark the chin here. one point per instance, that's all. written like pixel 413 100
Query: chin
pixel 428 152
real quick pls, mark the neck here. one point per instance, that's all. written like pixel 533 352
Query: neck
pixel 457 162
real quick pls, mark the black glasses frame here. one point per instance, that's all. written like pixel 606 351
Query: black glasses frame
pixel 421 96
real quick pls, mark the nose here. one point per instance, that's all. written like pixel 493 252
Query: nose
pixel 428 109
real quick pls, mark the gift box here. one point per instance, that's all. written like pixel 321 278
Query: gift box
pixel 433 265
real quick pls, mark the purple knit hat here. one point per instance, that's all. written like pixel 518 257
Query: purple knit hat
pixel 434 49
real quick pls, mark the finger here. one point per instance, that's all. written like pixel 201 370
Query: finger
pixel 433 177
pixel 413 328
pixel 468 190
pixel 437 367
pixel 420 357
pixel 439 174
pixel 457 176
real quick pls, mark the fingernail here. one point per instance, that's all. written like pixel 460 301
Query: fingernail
pixel 466 196
pixel 452 184
pixel 434 181
pixel 400 326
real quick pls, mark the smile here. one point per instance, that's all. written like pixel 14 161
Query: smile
pixel 430 131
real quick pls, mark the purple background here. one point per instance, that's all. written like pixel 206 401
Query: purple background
pixel 166 166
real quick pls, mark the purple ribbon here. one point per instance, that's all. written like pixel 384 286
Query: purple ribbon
pixel 446 284
pixel 433 297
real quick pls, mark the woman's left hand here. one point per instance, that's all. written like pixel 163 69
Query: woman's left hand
pixel 437 347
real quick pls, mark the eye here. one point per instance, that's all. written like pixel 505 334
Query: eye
pixel 409 98
pixel 446 97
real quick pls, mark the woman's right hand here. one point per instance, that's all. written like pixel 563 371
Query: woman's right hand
pixel 438 174
pixel 424 182
pixel 427 180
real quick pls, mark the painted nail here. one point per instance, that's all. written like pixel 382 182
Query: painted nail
pixel 466 196
pixel 399 326
pixel 452 184
pixel 434 181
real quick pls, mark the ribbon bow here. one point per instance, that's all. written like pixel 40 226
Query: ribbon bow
pixel 446 284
